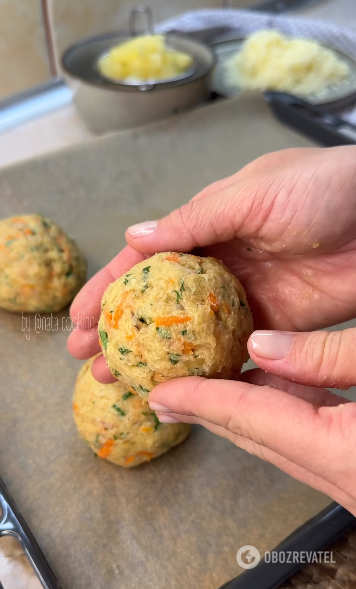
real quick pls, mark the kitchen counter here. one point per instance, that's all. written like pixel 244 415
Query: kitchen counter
pixel 63 128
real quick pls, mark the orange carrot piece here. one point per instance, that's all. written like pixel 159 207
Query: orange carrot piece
pixel 108 316
pixel 158 377
pixel 130 337
pixel 172 258
pixel 168 321
pixel 146 430
pixel 114 318
pixel 105 450
pixel 129 459
pixel 187 348
pixel 27 289
pixel 148 454
pixel 75 407
pixel 227 308
pixel 213 301
pixel 28 232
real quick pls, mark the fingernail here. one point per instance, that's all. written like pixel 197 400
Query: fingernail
pixel 142 229
pixel 272 345
pixel 168 419
pixel 158 407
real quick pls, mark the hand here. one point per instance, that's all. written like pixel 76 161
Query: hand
pixel 285 225
pixel 309 433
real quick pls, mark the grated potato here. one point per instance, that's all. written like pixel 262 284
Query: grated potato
pixel 143 59
pixel 270 61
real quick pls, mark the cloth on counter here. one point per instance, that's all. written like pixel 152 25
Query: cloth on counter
pixel 245 22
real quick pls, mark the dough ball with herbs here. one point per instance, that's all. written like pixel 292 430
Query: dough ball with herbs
pixel 41 268
pixel 174 315
pixel 118 425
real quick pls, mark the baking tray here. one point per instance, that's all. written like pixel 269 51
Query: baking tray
pixel 178 521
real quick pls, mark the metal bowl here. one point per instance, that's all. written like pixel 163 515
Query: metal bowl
pixel 334 98
pixel 105 105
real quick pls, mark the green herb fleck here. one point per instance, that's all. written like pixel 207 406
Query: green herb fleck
pixel 157 421
pixel 119 410
pixel 126 281
pixel 144 412
pixel 178 295
pixel 69 273
pixel 116 373
pixel 200 271
pixel 145 271
pixel 163 332
pixel 124 351
pixel 45 224
pixel 141 364
pixel 127 396
pixel 184 332
pixel 97 439
pixel 104 339
pixel 9 242
pixel 115 437
pixel 145 287
pixel 182 287
pixel 174 358
pixel 143 389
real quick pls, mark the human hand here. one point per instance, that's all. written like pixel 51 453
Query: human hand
pixel 308 433
pixel 285 225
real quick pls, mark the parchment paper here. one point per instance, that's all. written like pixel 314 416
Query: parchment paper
pixel 178 521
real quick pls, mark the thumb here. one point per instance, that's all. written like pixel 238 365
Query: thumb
pixel 319 358
pixel 216 218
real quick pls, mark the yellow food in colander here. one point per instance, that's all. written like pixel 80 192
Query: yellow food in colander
pixel 143 59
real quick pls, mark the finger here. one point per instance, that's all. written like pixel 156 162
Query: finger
pixel 260 414
pixel 86 305
pixel 282 423
pixel 319 358
pixel 216 218
pixel 318 397
pixel 101 372
pixel 83 344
